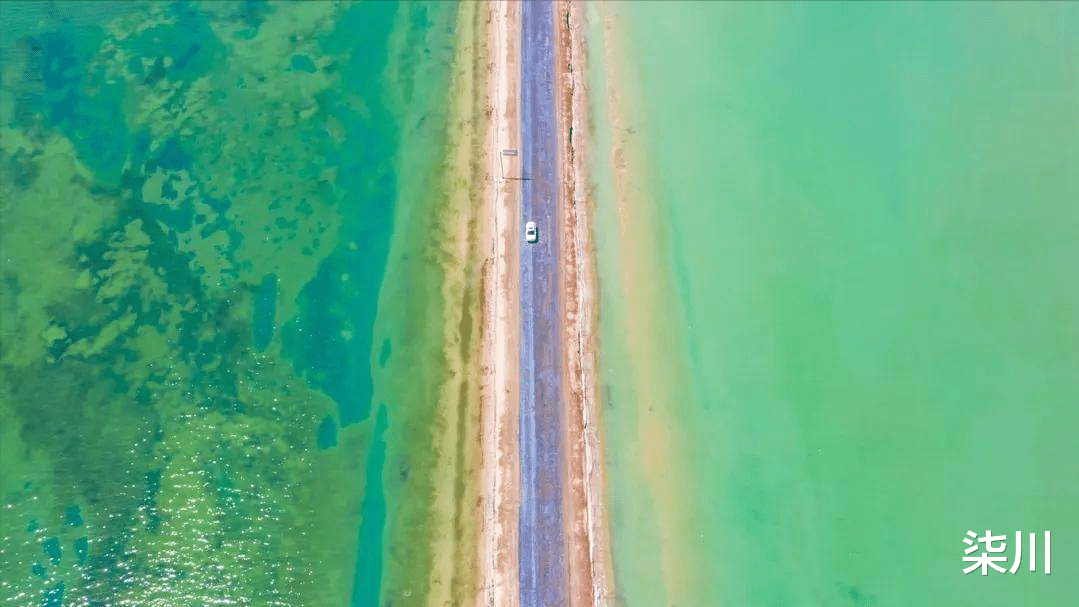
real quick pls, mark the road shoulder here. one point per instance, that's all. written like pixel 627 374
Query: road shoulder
pixel 587 542
pixel 499 584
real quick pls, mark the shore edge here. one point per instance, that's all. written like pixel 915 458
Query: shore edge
pixel 500 466
pixel 587 543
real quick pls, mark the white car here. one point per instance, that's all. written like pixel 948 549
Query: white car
pixel 531 232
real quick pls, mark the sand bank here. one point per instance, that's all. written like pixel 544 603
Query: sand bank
pixel 500 468
pixel 449 241
pixel 641 305
pixel 586 543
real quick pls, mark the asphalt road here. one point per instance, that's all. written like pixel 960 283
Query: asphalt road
pixel 542 551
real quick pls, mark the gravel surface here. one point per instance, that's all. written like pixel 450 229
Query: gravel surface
pixel 542 551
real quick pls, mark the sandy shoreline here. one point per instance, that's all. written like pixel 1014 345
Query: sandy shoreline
pixel 587 543
pixel 646 325
pixel 500 470
pixel 454 568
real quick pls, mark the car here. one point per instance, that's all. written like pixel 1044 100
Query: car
pixel 531 232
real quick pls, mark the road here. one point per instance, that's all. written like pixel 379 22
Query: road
pixel 542 551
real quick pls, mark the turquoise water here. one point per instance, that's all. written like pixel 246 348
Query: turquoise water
pixel 867 218
pixel 200 399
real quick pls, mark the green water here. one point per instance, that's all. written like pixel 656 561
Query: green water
pixel 203 206
pixel 871 218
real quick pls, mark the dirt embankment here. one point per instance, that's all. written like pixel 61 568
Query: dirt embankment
pixel 500 469
pixel 587 545
pixel 587 542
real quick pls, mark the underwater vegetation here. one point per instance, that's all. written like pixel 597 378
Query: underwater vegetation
pixel 197 207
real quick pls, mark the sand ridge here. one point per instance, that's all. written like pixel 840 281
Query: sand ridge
pixel 647 324
pixel 587 543
pixel 500 469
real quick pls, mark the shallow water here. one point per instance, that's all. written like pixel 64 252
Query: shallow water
pixel 199 204
pixel 867 216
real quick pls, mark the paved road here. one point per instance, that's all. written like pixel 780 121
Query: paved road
pixel 542 554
